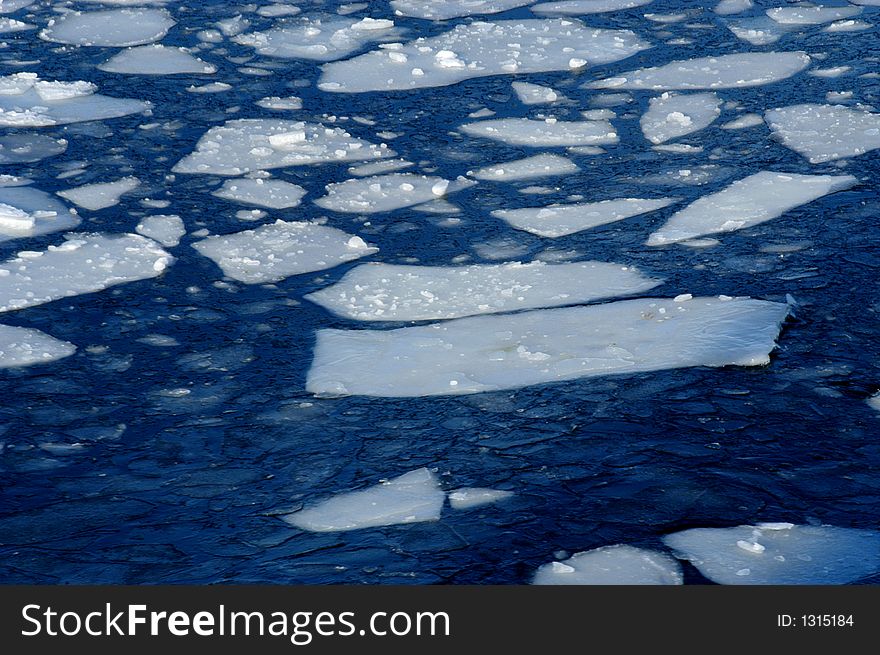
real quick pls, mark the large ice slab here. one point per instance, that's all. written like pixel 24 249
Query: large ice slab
pixel 560 220
pixel 507 351
pixel 779 553
pixel 272 194
pixel 113 27
pixel 811 15
pixel 28 212
pixel 752 200
pixel 581 7
pixel 389 292
pixel 320 39
pixel 544 133
pixel 85 263
pixel 273 252
pixel 479 49
pixel 100 195
pixel 156 59
pixel 411 498
pixel 672 115
pixel 612 565
pixel 26 346
pixel 446 9
pixel 825 132
pixel 528 168
pixel 383 193
pixel 250 144
pixel 722 72
pixel 28 101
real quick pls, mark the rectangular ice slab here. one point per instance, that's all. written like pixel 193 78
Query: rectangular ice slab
pixel 544 133
pixel 479 49
pixel 413 497
pixel 26 346
pixel 271 253
pixel 507 351
pixel 383 193
pixel 612 565
pixel 528 168
pixel 28 212
pixel 825 132
pixel 752 200
pixel 389 292
pixel 85 263
pixel 672 115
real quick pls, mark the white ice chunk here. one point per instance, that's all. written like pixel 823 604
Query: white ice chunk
pixel 543 133
pixel 507 351
pixel 811 15
pixel 728 7
pixel 528 168
pixel 113 27
pixel 273 252
pixel 413 497
pixel 788 554
pixel 446 9
pixel 750 201
pixel 102 195
pixel 760 30
pixel 479 49
pixel 560 220
pixel 848 26
pixel 392 292
pixel 167 229
pixel 581 7
pixel 534 94
pixel 672 115
pixel 825 132
pixel 27 212
pixel 245 145
pixel 383 193
pixel 156 59
pixel 468 497
pixel 744 121
pixel 85 263
pixel 26 346
pixel 612 565
pixel 722 72
pixel 269 193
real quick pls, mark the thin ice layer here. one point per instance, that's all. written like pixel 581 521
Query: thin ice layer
pixel 273 252
pixel 411 498
pixel 156 59
pixel 750 201
pixel 479 49
pixel 560 220
pixel 254 144
pixel 26 346
pixel 446 9
pixel 272 194
pixel 582 7
pixel 544 133
pixel 722 72
pixel 780 553
pixel 811 15
pixel 101 195
pixel 29 212
pixel 85 263
pixel 113 27
pixel 612 565
pixel 672 115
pixel 382 193
pixel 528 168
pixel 390 292
pixel 825 132
pixel 507 351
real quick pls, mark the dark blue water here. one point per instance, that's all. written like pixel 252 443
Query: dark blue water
pixel 168 489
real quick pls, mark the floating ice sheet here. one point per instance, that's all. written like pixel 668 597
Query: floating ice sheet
pixel 26 148
pixel 26 346
pixel 10 25
pixel 744 121
pixel 269 193
pixel 560 220
pixel 779 553
pixel 156 59
pixel 101 195
pixel 811 15
pixel 728 7
pixel 389 292
pixel 672 115
pixel 612 565
pixel 85 263
pixel 245 145
pixel 27 212
pixel 383 193
pixel 479 49
pixel 581 7
pixel 469 497
pixel 543 165
pixel 544 133
pixel 167 229
pixel 534 94
pixel 273 252
pixel 722 72
pixel 446 9
pixel 413 497
pixel 825 132
pixel 113 27
pixel 752 200
pixel 507 351
pixel 759 30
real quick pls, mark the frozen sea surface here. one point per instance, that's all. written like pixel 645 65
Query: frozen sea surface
pixel 158 339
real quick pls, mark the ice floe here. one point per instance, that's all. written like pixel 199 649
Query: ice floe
pixel 156 59
pixel 760 30
pixel 113 27
pixel 825 132
pixel 413 497
pixel 544 133
pixel 672 115
pixel 479 49
pixel 26 346
pixel 101 195
pixel 507 351
pixel 581 7
pixel 612 565
pixel 752 200
pixel 722 72
pixel 25 148
pixel 10 25
pixel 290 103
pixel 528 168
pixel 390 292
pixel 446 9
pixel 534 94
pixel 273 252
pixel 811 15
pixel 85 263
pixel 383 193
pixel 847 26
pixel 245 145
pixel 379 167
pixel 469 497
pixel 779 553
pixel 744 121
pixel 728 7
pixel 269 193
pixel 560 220
pixel 27 212
pixel 167 229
